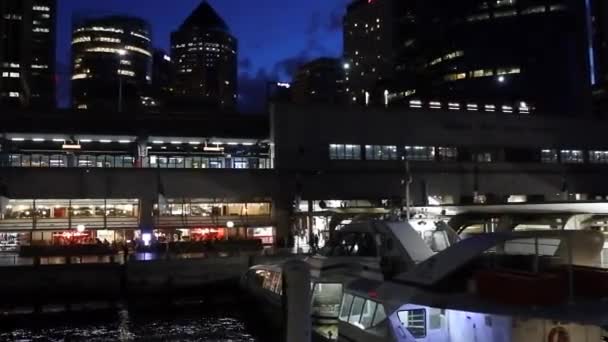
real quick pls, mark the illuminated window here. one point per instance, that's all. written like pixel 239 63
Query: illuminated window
pixel 381 152
pixel 140 36
pixel 447 153
pixel 40 66
pixel 503 14
pixel 41 8
pixel 535 9
pixel 79 76
pixel 598 157
pixel 479 17
pixel 107 39
pixel 81 40
pixel 126 72
pixel 13 94
pixel 572 156
pixel 414 321
pixel 455 77
pixel 139 50
pixel 41 29
pixel 548 156
pixel 344 152
pixel 420 153
pixel 558 7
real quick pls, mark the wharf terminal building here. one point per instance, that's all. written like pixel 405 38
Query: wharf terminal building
pixel 264 177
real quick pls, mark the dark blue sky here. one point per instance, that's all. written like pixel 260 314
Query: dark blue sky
pixel 275 36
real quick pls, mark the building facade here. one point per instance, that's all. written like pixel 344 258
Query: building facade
pixel 204 55
pixel 369 46
pixel 27 53
pixel 541 55
pixel 513 52
pixel 111 63
pixel 197 174
pixel 319 81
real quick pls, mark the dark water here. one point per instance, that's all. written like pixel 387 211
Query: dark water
pixel 175 324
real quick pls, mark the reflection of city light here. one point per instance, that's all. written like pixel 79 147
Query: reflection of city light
pixel 80 228
pixel 230 224
pixel 147 237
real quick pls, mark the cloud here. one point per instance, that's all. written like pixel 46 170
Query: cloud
pixel 252 91
pixel 245 64
pixel 336 17
pixel 315 24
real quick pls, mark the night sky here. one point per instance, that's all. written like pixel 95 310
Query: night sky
pixel 275 36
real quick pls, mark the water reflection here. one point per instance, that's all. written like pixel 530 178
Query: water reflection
pixel 122 325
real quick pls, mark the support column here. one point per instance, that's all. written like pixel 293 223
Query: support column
pixel 146 211
pixel 141 157
pixel 281 210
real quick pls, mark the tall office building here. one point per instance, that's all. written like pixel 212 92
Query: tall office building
pixel 204 55
pixel 111 63
pixel 524 53
pixel 319 81
pixel 369 45
pixel 528 54
pixel 27 53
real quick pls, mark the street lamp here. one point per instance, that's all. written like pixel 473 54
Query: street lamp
pixel 501 79
pixel 230 224
pixel 346 66
pixel 80 228
pixel 121 53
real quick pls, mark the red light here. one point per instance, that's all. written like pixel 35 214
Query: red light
pixel 372 294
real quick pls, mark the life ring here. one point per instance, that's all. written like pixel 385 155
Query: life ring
pixel 558 334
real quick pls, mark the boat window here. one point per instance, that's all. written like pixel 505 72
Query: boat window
pixel 414 321
pixel 544 246
pixel 368 314
pixel 379 316
pixel 355 244
pixel 436 318
pixel 326 299
pixel 356 310
pixel 347 301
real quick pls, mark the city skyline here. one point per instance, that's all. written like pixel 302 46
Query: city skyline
pixel 301 31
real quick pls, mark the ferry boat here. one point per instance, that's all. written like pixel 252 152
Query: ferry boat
pixel 505 287
pixel 363 249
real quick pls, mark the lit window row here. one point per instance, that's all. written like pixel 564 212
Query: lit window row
pixel 100 29
pixel 9 16
pixel 6 74
pixel 79 76
pixel 126 72
pixel 139 50
pixel 391 152
pixel 574 156
pixel 41 29
pixel 139 35
pixel 522 107
pixel 11 65
pixel 482 73
pixel 81 40
pixel 41 8
pixel 449 56
pixel 107 39
pixel 105 50
pixel 513 12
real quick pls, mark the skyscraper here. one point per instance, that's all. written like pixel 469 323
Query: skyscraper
pixel 27 53
pixel 111 63
pixel 509 53
pixel 513 54
pixel 369 46
pixel 204 55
